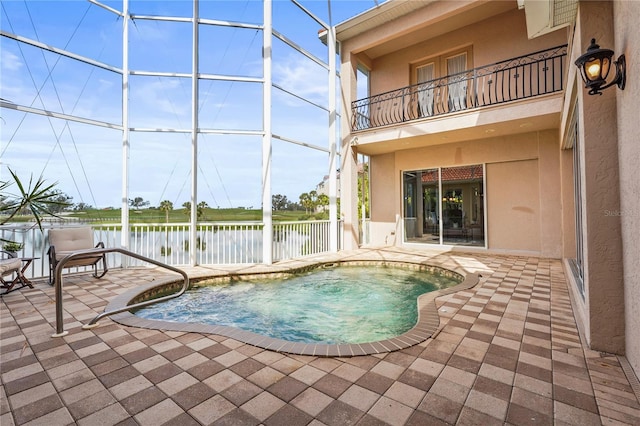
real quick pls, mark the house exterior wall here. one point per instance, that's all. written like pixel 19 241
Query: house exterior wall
pixel 513 205
pixel 551 224
pixel 602 309
pixel 523 209
pixel 348 160
pixel 530 176
pixel 626 16
pixel 489 41
pixel 385 223
pixel 537 213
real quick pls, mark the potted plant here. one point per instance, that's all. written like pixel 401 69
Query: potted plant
pixel 12 247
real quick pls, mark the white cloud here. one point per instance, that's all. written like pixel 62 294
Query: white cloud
pixel 303 77
pixel 10 61
pixel 160 102
pixel 160 163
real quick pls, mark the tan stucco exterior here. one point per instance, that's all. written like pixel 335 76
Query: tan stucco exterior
pixel 602 307
pixel 487 41
pixel 513 207
pixel 626 15
pixel 519 169
pixel 525 148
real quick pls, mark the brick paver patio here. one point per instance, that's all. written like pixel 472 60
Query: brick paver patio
pixel 506 352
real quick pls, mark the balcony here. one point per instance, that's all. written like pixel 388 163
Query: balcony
pixel 527 76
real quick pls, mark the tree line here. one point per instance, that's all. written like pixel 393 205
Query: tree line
pixel 310 202
pixel 39 197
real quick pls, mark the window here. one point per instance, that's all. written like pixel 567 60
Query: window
pixel 457 87
pixel 364 197
pixel 426 73
pixel 362 83
pixel 435 94
pixel 455 217
pixel 362 115
pixel 577 264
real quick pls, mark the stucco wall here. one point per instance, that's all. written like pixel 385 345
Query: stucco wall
pixel 513 200
pixel 550 192
pixel 383 187
pixel 348 160
pixel 523 200
pixel 491 41
pixel 627 41
pixel 604 305
pixel 508 148
pixel 384 226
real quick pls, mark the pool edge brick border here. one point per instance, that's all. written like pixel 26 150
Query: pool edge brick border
pixel 425 328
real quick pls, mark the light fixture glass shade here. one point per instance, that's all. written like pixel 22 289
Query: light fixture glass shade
pixel 592 70
pixel 597 69
pixel 595 65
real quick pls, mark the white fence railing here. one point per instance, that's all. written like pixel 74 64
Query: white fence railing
pixel 216 243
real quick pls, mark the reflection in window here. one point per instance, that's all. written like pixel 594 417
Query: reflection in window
pixel 455 217
pixel 426 73
pixel 458 82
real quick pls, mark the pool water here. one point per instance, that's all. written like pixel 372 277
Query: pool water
pixel 346 304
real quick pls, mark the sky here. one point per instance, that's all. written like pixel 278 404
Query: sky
pixel 87 161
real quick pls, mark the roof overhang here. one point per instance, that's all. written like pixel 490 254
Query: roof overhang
pixel 371 18
pixel 545 16
pixel 377 16
pixel 422 20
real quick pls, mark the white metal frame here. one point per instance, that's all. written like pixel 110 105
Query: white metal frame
pixel 268 34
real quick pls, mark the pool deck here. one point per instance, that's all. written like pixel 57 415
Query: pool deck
pixel 506 351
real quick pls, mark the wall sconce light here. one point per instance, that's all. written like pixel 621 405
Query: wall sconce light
pixel 595 65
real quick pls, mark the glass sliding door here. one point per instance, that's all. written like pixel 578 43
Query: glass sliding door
pixel 463 205
pixel 421 206
pixel 410 210
pixel 431 206
pixel 578 263
pixel 445 206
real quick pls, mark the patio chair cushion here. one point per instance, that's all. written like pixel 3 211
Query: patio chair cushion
pixel 71 239
pixel 8 266
pixel 68 240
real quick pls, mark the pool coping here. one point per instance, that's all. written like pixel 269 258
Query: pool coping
pixel 426 325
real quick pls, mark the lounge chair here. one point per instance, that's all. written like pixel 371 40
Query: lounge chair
pixel 10 265
pixel 68 240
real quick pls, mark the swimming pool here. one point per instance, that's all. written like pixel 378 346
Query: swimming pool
pixel 426 326
pixel 334 305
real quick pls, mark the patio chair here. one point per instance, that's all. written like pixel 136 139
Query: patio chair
pixel 10 265
pixel 68 240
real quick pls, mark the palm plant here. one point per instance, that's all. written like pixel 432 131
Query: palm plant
pixel 166 206
pixel 323 201
pixel 37 197
pixel 305 201
pixel 199 208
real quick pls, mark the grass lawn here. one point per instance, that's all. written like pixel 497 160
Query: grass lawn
pixel 154 215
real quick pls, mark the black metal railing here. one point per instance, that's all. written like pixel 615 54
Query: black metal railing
pixel 535 74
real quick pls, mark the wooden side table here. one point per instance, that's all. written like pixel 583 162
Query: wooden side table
pixel 20 278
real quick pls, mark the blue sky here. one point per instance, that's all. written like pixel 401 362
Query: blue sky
pixel 86 161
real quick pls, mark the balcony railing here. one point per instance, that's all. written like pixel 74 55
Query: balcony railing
pixel 535 74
